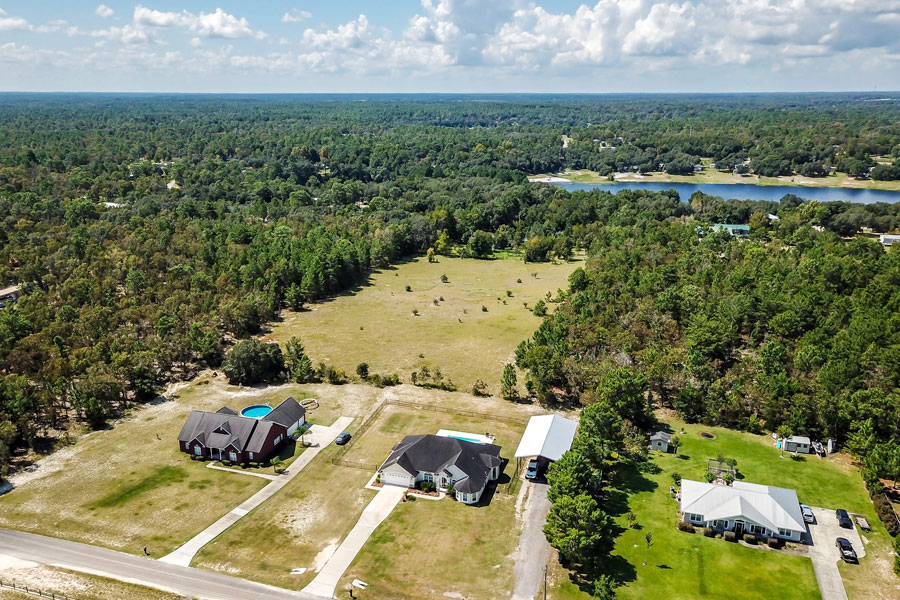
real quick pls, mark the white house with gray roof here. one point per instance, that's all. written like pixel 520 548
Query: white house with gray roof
pixel 444 461
pixel 743 507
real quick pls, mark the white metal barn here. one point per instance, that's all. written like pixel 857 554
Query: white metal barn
pixel 547 436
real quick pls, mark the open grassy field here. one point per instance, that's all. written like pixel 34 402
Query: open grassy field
pixel 690 566
pixel 304 523
pixel 465 550
pixel 376 324
pixel 718 177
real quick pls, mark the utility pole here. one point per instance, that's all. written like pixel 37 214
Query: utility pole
pixel 545 582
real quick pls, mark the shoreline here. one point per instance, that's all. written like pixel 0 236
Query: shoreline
pixel 842 181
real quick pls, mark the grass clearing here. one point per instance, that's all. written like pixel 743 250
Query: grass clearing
pixel 836 180
pixel 54 580
pixel 686 566
pixel 376 324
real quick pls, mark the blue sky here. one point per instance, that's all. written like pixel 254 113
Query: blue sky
pixel 450 46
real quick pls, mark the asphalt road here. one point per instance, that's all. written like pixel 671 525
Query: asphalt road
pixel 534 551
pixel 189 582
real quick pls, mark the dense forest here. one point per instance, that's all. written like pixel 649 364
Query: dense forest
pixel 149 233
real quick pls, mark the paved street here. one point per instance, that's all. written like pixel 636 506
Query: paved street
pixel 377 511
pixel 318 435
pixel 825 555
pixel 534 550
pixel 192 583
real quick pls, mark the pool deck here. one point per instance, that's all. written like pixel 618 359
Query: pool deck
pixel 465 436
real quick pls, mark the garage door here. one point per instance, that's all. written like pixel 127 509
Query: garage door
pixel 395 479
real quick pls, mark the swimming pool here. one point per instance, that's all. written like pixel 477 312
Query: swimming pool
pixel 456 437
pixel 257 411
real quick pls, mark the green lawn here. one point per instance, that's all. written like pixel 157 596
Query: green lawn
pixel 682 565
pixel 376 324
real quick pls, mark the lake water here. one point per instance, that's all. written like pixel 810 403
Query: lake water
pixel 747 191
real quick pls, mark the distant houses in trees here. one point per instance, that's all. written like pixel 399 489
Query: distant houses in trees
pixel 10 294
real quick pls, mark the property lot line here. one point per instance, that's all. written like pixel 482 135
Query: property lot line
pixel 372 516
pixel 138 570
pixel 319 436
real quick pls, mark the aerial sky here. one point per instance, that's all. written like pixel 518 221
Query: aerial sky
pixel 450 46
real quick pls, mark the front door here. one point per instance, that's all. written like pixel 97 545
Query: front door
pixel 739 527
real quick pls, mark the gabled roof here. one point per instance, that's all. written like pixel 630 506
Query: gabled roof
pixel 661 435
pixel 433 454
pixel 255 443
pixel 549 436
pixel 287 413
pixel 222 429
pixel 227 411
pixel 772 507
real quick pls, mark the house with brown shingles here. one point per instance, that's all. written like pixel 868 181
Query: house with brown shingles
pixel 229 435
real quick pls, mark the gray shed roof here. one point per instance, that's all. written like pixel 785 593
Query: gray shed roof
pixel 432 454
pixel 287 413
pixel 661 435
pixel 798 439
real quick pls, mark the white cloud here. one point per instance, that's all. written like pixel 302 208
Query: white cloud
pixel 295 16
pixel 217 24
pixel 9 23
pixel 104 11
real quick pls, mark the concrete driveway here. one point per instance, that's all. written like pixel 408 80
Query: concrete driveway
pixel 317 435
pixel 825 555
pixel 534 550
pixel 372 516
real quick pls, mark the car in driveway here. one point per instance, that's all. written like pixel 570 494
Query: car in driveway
pixel 531 472
pixel 846 549
pixel 342 439
pixel 843 518
pixel 808 516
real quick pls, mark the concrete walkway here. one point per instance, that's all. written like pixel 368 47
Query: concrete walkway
pixel 377 511
pixel 534 550
pixel 317 435
pixel 251 473
pixel 825 555
pixel 183 581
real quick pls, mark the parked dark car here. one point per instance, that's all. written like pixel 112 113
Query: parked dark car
pixel 846 549
pixel 843 518
pixel 808 516
pixel 342 439
pixel 532 471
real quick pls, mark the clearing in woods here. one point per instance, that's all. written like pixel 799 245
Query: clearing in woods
pixel 376 324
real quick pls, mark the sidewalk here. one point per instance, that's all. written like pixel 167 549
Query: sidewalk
pixel 318 436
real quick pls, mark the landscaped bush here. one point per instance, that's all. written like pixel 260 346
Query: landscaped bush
pixel 730 536
pixel 676 477
pixel 709 532
pixel 253 464
pixel 227 463
pixel 685 526
pixel 451 491
pixel 774 542
pixel 427 486
pixel 750 538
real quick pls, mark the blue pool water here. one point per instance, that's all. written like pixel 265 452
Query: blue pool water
pixel 257 411
pixel 466 439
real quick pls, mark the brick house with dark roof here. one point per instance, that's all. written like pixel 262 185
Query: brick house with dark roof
pixel 445 461
pixel 228 435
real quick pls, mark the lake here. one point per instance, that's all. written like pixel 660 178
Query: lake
pixel 746 191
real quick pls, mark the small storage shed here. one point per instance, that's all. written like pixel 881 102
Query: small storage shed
pixel 797 443
pixel 547 436
pixel 660 441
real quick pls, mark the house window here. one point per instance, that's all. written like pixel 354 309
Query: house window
pixel 720 524
pixel 428 477
pixel 693 517
pixel 232 456
pixel 784 532
pixel 759 529
pixel 198 450
pixel 250 454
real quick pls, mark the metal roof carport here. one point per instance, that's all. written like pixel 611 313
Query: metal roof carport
pixel 548 436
